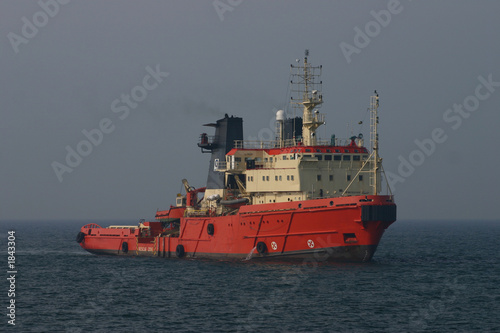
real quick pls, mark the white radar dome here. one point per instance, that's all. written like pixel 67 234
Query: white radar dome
pixel 280 115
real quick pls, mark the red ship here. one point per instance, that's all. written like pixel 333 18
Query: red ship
pixel 293 197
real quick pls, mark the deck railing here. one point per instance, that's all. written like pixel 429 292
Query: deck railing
pixel 318 118
pixel 248 144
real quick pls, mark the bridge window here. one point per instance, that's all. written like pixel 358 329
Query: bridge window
pixel 320 157
pixel 356 158
pixel 346 157
pixel 308 150
pixel 337 157
pixel 328 157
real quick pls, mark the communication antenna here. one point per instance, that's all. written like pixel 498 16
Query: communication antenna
pixel 374 103
pixel 307 91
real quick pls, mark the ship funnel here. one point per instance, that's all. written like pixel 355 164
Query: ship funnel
pixel 227 131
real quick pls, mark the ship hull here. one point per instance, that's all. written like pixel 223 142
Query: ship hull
pixel 329 229
pixel 357 253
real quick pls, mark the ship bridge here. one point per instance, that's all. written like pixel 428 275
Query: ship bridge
pixel 296 172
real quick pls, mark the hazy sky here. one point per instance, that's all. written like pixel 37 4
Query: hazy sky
pixel 148 74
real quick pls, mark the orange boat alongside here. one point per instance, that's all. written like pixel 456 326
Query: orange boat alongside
pixel 293 197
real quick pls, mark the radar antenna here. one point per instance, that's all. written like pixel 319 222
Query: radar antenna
pixel 307 91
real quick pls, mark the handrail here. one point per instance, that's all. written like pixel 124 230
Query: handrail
pixel 314 118
pixel 92 226
pixel 254 144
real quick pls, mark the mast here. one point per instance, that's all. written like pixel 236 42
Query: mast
pixel 374 103
pixel 308 91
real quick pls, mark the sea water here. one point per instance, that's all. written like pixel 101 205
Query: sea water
pixel 426 276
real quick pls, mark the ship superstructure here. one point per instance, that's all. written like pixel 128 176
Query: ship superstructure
pixel 293 196
pixel 296 166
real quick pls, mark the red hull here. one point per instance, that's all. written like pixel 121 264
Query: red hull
pixel 337 229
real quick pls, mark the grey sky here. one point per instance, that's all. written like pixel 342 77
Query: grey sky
pixel 66 76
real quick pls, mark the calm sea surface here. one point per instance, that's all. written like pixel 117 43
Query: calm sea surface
pixel 425 277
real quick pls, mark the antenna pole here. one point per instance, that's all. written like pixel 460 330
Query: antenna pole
pixel 310 97
pixel 374 103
